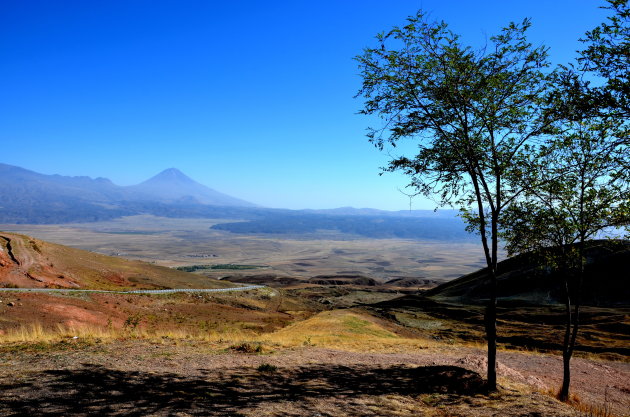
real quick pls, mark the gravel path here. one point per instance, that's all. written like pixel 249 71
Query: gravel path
pixel 170 291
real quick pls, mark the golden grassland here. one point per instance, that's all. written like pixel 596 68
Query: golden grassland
pixel 339 329
pixel 350 330
pixel 345 329
pixel 279 317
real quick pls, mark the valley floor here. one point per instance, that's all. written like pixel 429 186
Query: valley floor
pixel 171 377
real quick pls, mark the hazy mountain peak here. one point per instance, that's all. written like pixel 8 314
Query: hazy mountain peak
pixel 175 186
pixel 170 175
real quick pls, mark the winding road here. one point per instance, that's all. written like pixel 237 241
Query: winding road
pixel 171 291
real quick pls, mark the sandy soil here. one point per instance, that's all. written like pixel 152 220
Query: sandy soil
pixel 138 378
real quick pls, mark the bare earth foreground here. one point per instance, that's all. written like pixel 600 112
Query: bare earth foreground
pixel 194 378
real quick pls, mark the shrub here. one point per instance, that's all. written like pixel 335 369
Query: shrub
pixel 266 367
pixel 247 347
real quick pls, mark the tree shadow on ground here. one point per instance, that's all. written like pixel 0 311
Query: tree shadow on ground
pixel 96 390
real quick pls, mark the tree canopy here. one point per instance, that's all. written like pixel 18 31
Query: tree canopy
pixel 607 55
pixel 473 114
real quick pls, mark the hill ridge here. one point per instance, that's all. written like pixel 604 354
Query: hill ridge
pixel 522 278
pixel 26 262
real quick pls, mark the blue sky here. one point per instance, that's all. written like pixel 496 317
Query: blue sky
pixel 251 98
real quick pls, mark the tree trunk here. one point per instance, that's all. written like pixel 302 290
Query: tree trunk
pixel 566 376
pixel 573 324
pixel 491 334
pixel 491 314
pixel 566 349
pixel 567 354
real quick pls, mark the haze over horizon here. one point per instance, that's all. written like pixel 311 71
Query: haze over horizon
pixel 251 99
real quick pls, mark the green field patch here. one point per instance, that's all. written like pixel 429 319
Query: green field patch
pixel 358 325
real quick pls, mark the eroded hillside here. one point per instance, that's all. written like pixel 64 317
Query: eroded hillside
pixel 26 262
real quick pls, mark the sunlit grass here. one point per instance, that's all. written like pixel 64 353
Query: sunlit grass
pixel 343 329
pixel 338 329
pixel 35 333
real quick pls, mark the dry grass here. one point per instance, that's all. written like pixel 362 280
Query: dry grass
pixel 339 329
pixel 589 410
pixel 348 330
pixel 582 408
pixel 345 330
pixel 36 333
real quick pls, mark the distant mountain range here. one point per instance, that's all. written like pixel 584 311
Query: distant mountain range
pixel 169 186
pixel 29 197
pixel 32 198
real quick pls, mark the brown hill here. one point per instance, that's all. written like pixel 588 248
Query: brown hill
pixel 528 279
pixel 31 263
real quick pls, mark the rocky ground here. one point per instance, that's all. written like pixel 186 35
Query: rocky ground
pixel 186 378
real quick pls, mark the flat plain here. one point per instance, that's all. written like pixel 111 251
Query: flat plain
pixel 180 242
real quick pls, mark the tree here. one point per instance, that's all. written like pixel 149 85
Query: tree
pixel 473 115
pixel 579 191
pixel 578 184
pixel 607 55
